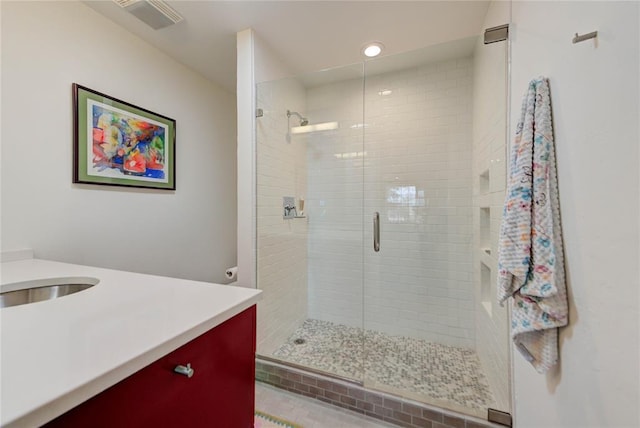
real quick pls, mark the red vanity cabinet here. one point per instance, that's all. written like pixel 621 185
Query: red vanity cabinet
pixel 220 394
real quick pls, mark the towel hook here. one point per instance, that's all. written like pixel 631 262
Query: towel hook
pixel 578 39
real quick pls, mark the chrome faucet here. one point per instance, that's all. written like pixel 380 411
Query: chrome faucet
pixel 288 209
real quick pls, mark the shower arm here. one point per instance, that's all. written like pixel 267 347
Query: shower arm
pixel 303 120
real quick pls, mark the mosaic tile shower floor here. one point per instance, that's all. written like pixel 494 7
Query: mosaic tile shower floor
pixel 438 372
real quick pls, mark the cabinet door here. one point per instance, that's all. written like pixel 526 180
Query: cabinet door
pixel 220 394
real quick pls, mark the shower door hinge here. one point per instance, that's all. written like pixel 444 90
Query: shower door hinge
pixel 496 34
pixel 259 112
pixel 499 417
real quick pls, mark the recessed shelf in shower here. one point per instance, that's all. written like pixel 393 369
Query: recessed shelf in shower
pixel 484 182
pixel 485 287
pixel 485 229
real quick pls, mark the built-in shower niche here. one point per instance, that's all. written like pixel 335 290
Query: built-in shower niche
pixel 485 230
pixel 485 242
pixel 484 182
pixel 484 201
pixel 485 287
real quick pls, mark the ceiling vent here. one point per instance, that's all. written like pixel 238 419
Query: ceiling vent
pixel 155 13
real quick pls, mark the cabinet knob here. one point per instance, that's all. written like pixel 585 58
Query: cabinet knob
pixel 187 371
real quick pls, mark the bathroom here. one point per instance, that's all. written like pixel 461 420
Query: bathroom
pixel 206 225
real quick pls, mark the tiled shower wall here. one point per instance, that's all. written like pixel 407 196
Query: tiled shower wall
pixel 281 244
pixel 489 177
pixel 417 174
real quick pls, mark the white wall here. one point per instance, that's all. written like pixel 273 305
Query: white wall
pixel 489 138
pixel 595 97
pixel 246 102
pixel 417 140
pixel 189 233
pixel 255 63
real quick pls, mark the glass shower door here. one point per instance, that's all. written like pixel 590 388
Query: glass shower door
pixel 420 202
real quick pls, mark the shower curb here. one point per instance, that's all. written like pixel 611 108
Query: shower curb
pixel 351 396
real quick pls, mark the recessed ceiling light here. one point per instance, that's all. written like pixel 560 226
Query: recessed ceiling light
pixel 372 49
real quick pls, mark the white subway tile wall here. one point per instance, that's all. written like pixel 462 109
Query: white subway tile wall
pixel 489 153
pixel 281 244
pixel 413 164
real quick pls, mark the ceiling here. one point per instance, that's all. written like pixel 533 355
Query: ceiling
pixel 306 35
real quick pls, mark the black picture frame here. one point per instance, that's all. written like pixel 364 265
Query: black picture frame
pixel 119 144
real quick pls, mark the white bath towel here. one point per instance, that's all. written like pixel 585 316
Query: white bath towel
pixel 530 260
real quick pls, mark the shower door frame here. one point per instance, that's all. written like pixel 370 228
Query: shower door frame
pixel 367 246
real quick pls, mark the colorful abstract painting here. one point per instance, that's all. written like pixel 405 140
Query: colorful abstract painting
pixel 124 144
pixel 121 144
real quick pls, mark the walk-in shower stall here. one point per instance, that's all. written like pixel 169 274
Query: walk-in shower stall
pixel 379 191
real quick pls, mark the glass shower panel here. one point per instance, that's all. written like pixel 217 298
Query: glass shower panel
pixel 421 296
pixel 309 147
pixel 379 192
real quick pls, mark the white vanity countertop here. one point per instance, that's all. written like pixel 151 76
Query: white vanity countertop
pixel 56 354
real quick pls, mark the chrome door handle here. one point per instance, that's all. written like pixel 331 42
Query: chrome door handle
pixel 187 371
pixel 376 231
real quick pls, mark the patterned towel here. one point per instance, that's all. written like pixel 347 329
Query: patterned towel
pixel 530 260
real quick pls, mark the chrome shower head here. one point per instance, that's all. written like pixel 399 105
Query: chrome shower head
pixel 303 120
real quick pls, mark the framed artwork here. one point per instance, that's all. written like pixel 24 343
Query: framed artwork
pixel 119 144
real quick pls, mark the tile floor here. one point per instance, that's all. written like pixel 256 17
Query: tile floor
pixel 422 368
pixel 309 413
